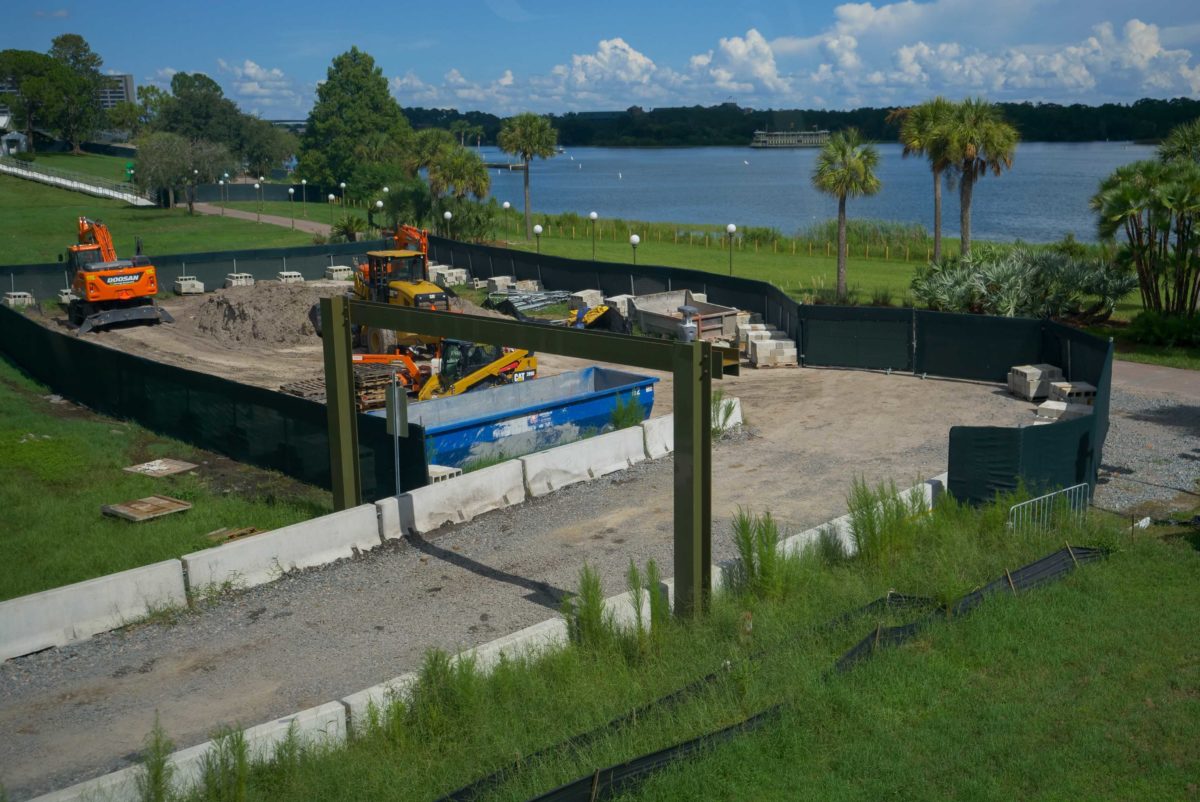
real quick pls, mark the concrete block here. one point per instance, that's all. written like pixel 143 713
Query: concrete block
pixel 560 467
pixel 387 511
pixel 289 277
pixel 1073 392
pixel 529 285
pixel 17 299
pixel 585 298
pixel 500 283
pixel 188 285
pixel 264 558
pixel 339 273
pixel 524 642
pixel 462 498
pixel 440 473
pixel 659 434
pixel 359 705
pixel 119 786
pixel 620 303
pixel 79 611
pixel 729 416
pixel 702 297
pixel 478 284
pixel 238 280
pixel 66 296
pixel 1032 381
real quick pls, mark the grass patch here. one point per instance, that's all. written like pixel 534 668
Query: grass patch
pixel 1082 689
pixel 59 463
pixel 37 223
pixel 1130 350
pixel 86 165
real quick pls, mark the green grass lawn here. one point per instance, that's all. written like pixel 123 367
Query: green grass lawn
pixel 93 165
pixel 1088 688
pixel 38 222
pixel 59 463
pixel 317 212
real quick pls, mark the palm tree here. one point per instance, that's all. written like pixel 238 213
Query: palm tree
pixel 977 140
pixel 428 145
pixel 460 171
pixel 1182 143
pixel 922 133
pixel 846 168
pixel 528 135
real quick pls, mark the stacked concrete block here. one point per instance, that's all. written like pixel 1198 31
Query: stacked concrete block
pixel 441 473
pixel 585 299
pixel 478 283
pixel 17 299
pixel 769 348
pixel 702 297
pixel 66 296
pixel 748 332
pixel 445 276
pixel 188 285
pixel 289 277
pixel 1032 381
pixel 529 285
pixel 620 303
pixel 1062 410
pixel 238 280
pixel 1073 392
pixel 500 283
pixel 339 273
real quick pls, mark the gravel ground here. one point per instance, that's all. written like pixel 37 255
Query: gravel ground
pixel 72 713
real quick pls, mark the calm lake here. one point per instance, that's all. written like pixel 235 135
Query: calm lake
pixel 1041 199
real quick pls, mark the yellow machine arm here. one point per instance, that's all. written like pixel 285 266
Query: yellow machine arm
pixel 516 365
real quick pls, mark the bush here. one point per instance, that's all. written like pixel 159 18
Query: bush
pixel 1155 328
pixel 24 156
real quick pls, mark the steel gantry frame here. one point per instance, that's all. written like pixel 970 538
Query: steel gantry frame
pixel 692 364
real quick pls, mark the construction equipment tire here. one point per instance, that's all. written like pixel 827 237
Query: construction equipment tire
pixel 381 341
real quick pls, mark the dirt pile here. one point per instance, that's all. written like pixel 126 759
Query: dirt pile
pixel 268 312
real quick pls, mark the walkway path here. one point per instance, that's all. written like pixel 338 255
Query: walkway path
pixel 301 224
pixel 73 182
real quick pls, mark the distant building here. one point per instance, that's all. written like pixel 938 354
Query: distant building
pixel 115 89
pixel 789 139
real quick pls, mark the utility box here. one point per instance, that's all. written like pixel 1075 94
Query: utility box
pixel 1073 392
pixel 1032 381
pixel 289 277
pixel 238 280
pixel 17 299
pixel 188 285
pixel 339 273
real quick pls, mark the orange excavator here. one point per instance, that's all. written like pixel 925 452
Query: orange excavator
pixel 109 290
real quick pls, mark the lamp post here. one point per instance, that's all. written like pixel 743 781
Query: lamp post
pixel 304 197
pixel 195 181
pixel 343 188
pixel 730 230
pixel 506 205
pixel 537 232
pixel 593 217
pixel 258 197
pixel 634 239
pixel 292 209
pixel 332 198
pixel 379 208
pixel 221 195
pixel 448 216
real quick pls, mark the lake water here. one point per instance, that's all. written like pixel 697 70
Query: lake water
pixel 1041 199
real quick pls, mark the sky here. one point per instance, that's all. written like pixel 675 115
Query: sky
pixel 508 56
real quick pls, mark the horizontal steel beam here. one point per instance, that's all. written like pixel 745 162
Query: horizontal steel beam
pixel 641 352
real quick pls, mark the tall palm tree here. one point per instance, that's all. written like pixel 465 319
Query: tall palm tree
pixel 460 171
pixel 923 133
pixel 528 135
pixel 1182 143
pixel 846 168
pixel 428 146
pixel 977 140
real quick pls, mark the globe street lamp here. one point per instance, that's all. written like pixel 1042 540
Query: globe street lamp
pixel 537 232
pixel 448 216
pixel 292 209
pixel 593 217
pixel 343 187
pixel 258 197
pixel 221 195
pixel 730 230
pixel 506 205
pixel 634 239
pixel 332 198
pixel 379 208
pixel 304 197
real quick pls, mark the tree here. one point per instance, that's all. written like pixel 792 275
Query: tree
pixel 261 145
pixel 198 109
pixel 460 172
pixel 151 100
pixel 169 162
pixel 409 202
pixel 528 135
pixel 77 114
pixel 1182 143
pixel 126 116
pixel 923 133
pixel 846 169
pixel 426 148
pixel 1156 205
pixel 977 139
pixel 352 102
pixel 348 228
pixel 38 80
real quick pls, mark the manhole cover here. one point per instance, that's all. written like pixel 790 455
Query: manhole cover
pixel 161 467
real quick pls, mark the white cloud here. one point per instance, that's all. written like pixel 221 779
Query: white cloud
pixel 58 13
pixel 261 87
pixel 613 62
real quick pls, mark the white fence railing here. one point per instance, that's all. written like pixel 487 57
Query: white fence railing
pixel 1038 513
pixel 74 182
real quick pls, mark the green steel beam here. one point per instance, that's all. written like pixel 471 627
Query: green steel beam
pixel 340 406
pixel 693 506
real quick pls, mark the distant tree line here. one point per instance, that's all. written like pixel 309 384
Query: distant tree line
pixel 731 125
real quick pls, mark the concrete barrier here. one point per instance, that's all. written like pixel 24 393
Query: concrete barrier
pixel 79 611
pixel 388 512
pixel 460 499
pixel 659 434
pixel 263 558
pixel 358 706
pixel 524 642
pixel 592 458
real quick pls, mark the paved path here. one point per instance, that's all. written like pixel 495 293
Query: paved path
pixel 301 224
pixel 1136 376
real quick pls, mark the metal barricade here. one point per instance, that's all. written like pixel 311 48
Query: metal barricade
pixel 1038 513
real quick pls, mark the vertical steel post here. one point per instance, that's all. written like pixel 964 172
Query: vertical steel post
pixel 339 395
pixel 693 536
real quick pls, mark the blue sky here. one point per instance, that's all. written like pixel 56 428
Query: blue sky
pixel 505 56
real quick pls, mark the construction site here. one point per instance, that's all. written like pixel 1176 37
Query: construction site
pixel 490 536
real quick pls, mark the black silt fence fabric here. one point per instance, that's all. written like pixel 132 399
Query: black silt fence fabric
pixel 974 346
pixel 249 424
pixel 853 337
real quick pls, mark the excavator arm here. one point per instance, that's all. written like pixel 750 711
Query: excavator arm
pixel 92 232
pixel 513 365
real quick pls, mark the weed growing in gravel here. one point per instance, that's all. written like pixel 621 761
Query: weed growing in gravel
pixel 225 768
pixel 447 693
pixel 720 412
pixel 589 622
pixel 154 775
pixel 760 567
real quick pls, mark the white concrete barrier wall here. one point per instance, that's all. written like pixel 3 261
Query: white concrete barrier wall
pixel 460 499
pixel 550 470
pixel 660 436
pixel 358 705
pixel 388 512
pixel 263 558
pixel 79 611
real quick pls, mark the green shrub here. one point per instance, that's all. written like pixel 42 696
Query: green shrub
pixel 759 570
pixel 625 415
pixel 25 156
pixel 589 623
pixel 225 768
pixel 446 694
pixel 1155 328
pixel 881 520
pixel 155 772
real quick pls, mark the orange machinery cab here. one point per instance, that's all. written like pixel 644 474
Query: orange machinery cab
pixel 98 281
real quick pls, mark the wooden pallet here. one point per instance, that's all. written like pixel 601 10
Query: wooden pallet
pixel 371 383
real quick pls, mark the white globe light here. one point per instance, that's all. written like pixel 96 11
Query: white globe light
pixel 291 191
pixel 262 178
pixel 731 228
pixel 342 185
pixel 507 206
pixel 303 181
pixel 221 182
pixel 594 217
pixel 256 186
pixel 447 215
pixel 227 176
pixel 537 230
pixel 378 204
pixel 332 197
pixel 634 239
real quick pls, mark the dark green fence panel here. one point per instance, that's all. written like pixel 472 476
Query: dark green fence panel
pixel 1058 455
pixel 852 337
pixel 249 424
pixel 974 346
pixel 983 461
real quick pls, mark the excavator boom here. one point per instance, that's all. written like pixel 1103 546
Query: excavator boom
pixel 94 233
